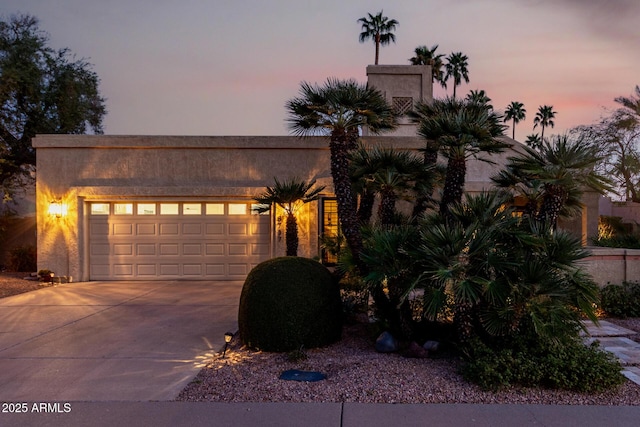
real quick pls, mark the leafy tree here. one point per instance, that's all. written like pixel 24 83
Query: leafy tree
pixel 458 129
pixel 516 113
pixel 427 56
pixel 42 90
pixel 339 109
pixel 456 67
pixel 289 195
pixel 378 28
pixel 553 178
pixel 545 118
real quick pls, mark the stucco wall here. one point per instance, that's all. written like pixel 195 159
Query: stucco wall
pixel 613 265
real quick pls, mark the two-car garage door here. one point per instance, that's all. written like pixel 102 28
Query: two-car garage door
pixel 175 240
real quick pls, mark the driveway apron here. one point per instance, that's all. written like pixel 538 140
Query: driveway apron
pixel 112 341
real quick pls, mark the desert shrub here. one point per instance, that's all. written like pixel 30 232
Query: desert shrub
pixel 289 302
pixel 627 241
pixel 22 258
pixel 569 365
pixel 621 300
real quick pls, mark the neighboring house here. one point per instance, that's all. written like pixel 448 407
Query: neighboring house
pixel 171 207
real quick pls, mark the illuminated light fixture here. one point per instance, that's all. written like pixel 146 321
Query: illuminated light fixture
pixel 228 336
pixel 57 209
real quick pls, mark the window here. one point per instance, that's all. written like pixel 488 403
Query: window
pixel 215 209
pixel 237 209
pixel 146 208
pixel 99 208
pixel 169 208
pixel 192 209
pixel 123 208
pixel 330 232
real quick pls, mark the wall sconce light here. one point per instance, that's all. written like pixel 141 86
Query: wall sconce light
pixel 228 336
pixel 57 209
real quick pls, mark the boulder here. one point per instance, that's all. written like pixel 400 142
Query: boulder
pixel 433 346
pixel 386 343
pixel 416 352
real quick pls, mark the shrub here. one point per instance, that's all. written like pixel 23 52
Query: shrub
pixel 621 300
pixel 569 365
pixel 22 258
pixel 289 302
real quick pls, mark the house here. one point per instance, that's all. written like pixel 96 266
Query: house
pixel 180 207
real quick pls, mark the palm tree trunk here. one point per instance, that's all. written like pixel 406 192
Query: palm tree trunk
pixel 387 208
pixel 377 48
pixel 430 160
pixel 453 183
pixel 365 210
pixel 514 129
pixel 291 235
pixel 552 202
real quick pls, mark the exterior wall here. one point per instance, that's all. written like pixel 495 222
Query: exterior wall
pixel 613 265
pixel 407 81
pixel 79 169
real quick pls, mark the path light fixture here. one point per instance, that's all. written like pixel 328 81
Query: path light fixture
pixel 228 336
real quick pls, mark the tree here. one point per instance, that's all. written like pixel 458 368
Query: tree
pixel 289 195
pixel 42 90
pixel 516 113
pixel 559 171
pixel 544 117
pixel 378 28
pixel 456 67
pixel 339 109
pixel 630 105
pixel 459 129
pixel 426 56
pixel 534 141
pixel 479 97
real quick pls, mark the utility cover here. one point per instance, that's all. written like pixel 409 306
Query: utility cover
pixel 296 375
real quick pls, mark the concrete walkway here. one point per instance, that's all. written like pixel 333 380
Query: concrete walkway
pixel 613 338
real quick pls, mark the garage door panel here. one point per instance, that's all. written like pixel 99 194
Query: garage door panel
pixel 146 229
pixel 212 244
pixel 123 249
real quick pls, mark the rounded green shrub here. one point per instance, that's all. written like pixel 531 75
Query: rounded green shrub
pixel 288 303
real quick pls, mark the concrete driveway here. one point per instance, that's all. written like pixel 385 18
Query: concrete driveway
pixel 111 341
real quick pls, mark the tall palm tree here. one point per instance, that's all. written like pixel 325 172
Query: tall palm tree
pixel 289 194
pixel 558 173
pixel 378 28
pixel 459 129
pixel 456 67
pixel 339 109
pixel 630 105
pixel 544 117
pixel 516 113
pixel 479 97
pixel 427 56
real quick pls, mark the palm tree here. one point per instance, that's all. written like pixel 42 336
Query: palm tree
pixel 426 56
pixel 516 113
pixel 387 172
pixel 456 67
pixel 558 173
pixel 544 117
pixel 459 129
pixel 289 195
pixel 479 97
pixel 339 109
pixel 534 141
pixel 378 28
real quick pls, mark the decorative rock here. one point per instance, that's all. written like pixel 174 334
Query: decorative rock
pixel 416 352
pixel 431 346
pixel 386 343
pixel 307 376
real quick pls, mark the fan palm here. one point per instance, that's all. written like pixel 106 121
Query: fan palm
pixel 339 109
pixel 289 195
pixel 516 113
pixel 378 28
pixel 544 118
pixel 534 141
pixel 559 170
pixel 479 97
pixel 459 130
pixel 427 56
pixel 456 67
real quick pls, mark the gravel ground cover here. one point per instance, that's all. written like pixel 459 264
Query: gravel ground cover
pixel 355 373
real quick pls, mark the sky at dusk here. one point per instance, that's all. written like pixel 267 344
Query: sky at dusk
pixel 227 67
